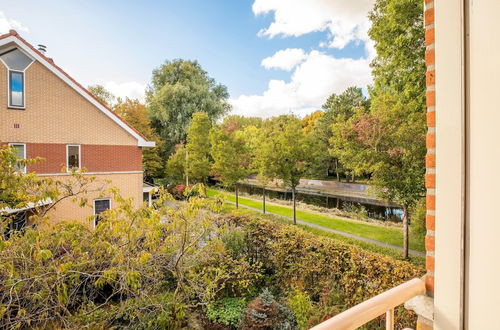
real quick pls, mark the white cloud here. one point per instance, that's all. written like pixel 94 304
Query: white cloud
pixel 7 24
pixel 130 89
pixel 285 59
pixel 316 78
pixel 345 20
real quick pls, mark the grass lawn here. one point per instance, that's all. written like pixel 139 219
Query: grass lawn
pixel 389 235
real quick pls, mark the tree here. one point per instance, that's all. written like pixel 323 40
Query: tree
pixel 136 114
pixel 198 147
pixel 175 169
pixel 339 108
pixel 236 122
pixel 284 152
pixel 102 94
pixel 231 157
pixel 398 92
pixel 179 89
pixel 20 190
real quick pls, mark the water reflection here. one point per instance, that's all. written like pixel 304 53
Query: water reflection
pixel 374 209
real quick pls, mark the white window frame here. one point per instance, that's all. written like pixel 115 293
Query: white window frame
pixel 68 169
pixel 13 144
pixel 9 105
pixel 93 205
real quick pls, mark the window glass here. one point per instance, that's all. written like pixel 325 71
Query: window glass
pixel 16 88
pixel 16 60
pixel 100 206
pixel 21 153
pixel 73 156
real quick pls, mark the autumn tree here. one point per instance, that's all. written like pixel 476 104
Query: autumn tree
pixel 284 152
pixel 198 148
pixel 179 89
pixel 231 157
pixel 136 114
pixel 398 102
pixel 102 94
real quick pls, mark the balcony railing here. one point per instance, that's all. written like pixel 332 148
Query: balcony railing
pixel 372 308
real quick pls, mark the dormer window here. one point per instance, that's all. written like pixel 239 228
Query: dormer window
pixel 17 62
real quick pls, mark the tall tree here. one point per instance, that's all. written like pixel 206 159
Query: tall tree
pixel 136 114
pixel 198 147
pixel 102 94
pixel 284 152
pixel 178 89
pixel 339 108
pixel 231 157
pixel 398 98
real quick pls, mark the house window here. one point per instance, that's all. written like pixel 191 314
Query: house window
pixel 17 62
pixel 20 150
pixel 16 89
pixel 72 156
pixel 100 205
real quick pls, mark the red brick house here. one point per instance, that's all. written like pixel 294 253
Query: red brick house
pixel 46 113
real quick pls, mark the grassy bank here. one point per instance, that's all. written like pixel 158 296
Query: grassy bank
pixel 418 261
pixel 385 234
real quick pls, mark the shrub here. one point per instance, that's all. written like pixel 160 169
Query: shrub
pixel 228 311
pixel 300 304
pixel 264 312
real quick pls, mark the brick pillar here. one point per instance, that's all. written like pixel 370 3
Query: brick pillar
pixel 430 159
pixel 425 310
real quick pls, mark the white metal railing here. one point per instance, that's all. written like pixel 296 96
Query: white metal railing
pixel 374 307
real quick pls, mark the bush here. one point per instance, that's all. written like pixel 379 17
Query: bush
pixel 300 304
pixel 227 311
pixel 264 312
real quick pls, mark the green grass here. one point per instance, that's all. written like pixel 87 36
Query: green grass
pixel 389 235
pixel 418 261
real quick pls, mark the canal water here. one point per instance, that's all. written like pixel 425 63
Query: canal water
pixel 375 210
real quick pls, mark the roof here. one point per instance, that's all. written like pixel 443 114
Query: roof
pixel 14 37
pixel 28 206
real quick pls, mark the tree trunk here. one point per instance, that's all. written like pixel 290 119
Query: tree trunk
pixel 326 201
pixel 405 232
pixel 264 200
pixel 294 211
pixel 236 193
pixel 337 169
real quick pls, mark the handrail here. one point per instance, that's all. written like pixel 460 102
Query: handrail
pixel 374 307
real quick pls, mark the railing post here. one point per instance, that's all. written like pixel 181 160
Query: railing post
pixel 389 319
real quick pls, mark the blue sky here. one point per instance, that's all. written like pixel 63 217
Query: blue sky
pixel 323 43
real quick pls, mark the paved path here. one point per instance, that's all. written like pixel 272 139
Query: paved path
pixel 360 238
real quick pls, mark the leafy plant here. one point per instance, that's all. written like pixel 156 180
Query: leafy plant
pixel 300 304
pixel 228 311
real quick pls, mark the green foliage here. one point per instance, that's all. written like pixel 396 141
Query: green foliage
pixel 179 89
pixel 175 170
pixel 284 150
pixel 227 311
pixel 300 304
pixel 101 93
pixel 399 67
pixel 198 148
pixel 418 213
pixel 231 156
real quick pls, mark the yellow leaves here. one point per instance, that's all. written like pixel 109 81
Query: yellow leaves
pixel 144 257
pixel 133 279
pixel 42 255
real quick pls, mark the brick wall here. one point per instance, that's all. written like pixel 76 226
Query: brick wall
pixel 95 158
pixel 55 113
pixel 430 159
